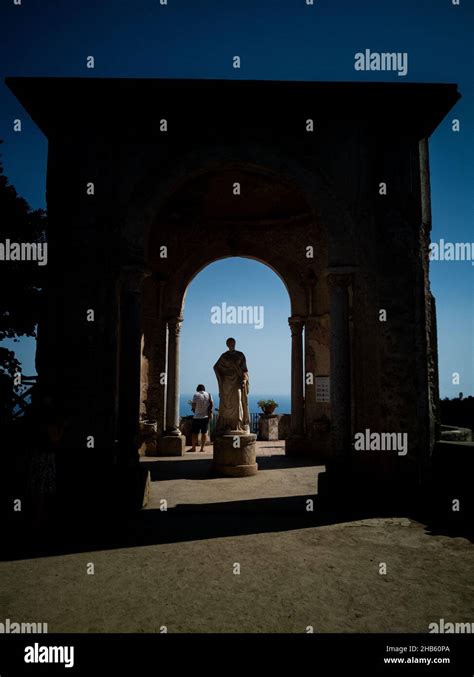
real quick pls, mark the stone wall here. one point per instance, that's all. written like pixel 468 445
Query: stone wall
pixel 299 190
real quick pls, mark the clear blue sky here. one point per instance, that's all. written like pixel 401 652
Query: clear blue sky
pixel 275 40
pixel 237 282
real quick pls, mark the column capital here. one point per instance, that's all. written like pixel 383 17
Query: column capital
pixel 296 323
pixel 174 324
pixel 340 277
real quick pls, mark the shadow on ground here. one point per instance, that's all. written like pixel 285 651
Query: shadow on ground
pixel 188 522
pixel 82 525
pixel 200 468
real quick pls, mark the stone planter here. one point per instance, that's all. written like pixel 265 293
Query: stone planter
pixel 268 427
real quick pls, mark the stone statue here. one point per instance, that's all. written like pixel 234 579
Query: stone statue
pixel 233 380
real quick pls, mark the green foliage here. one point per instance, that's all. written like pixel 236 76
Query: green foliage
pixel 20 281
pixel 267 403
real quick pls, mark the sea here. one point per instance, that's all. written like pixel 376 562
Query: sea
pixel 284 403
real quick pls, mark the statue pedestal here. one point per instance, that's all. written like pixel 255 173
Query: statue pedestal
pixel 231 460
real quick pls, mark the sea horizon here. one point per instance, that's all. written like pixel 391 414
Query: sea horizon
pixel 284 403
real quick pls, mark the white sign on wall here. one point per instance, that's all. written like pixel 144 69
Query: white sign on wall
pixel 323 389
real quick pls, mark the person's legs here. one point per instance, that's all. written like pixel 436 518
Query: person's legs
pixel 204 424
pixel 195 427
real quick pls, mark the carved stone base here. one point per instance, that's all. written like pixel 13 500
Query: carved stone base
pixel 232 461
pixel 171 445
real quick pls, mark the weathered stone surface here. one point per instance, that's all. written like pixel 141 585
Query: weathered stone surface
pixel 311 207
pixel 268 427
pixel 231 461
pixel 148 438
pixel 284 424
pixel 171 445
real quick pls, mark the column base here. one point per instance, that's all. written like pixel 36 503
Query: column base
pixel 230 461
pixel 171 445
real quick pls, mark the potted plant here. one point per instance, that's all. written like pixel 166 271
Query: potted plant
pixel 267 406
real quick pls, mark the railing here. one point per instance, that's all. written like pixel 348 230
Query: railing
pixel 254 418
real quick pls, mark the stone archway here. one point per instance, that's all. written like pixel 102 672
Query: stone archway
pixel 273 224
pixel 382 376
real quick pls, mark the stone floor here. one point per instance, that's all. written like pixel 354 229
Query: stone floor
pixel 244 555
pixel 183 482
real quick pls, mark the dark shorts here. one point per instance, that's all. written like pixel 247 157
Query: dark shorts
pixel 200 425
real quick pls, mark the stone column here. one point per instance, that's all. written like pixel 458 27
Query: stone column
pixel 297 401
pixel 173 443
pixel 161 346
pixel 172 399
pixel 130 362
pixel 310 330
pixel 340 364
pixel 426 340
pixel 153 386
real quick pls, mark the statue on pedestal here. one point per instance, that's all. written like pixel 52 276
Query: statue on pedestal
pixel 233 380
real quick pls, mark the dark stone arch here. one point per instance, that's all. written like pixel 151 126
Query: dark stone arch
pixel 109 129
pixel 167 176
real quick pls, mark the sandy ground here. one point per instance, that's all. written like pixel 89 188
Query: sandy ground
pixel 294 575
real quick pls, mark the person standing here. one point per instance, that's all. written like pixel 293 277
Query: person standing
pixel 202 406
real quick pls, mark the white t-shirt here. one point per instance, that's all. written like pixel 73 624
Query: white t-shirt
pixel 201 400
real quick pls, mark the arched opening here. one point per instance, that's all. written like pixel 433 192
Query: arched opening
pixel 244 299
pixel 250 213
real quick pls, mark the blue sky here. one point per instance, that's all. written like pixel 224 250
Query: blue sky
pixel 275 40
pixel 237 282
